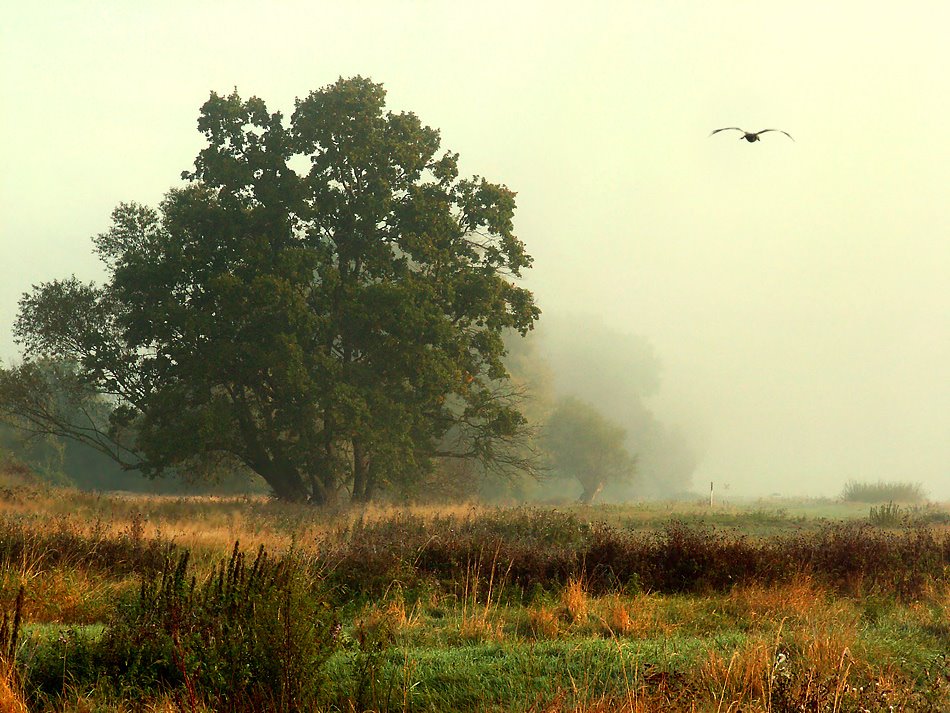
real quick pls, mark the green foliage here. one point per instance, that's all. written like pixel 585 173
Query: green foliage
pixel 893 515
pixel 884 492
pixel 528 676
pixel 584 445
pixel 364 683
pixel 661 673
pixel 252 635
pixel 58 664
pixel 325 330
pixel 57 461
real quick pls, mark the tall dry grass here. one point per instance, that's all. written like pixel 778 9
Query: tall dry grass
pixel 638 616
pixel 199 522
pixel 480 602
pixel 795 600
pixel 11 694
pixel 574 601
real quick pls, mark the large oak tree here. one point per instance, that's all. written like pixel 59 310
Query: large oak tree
pixel 323 303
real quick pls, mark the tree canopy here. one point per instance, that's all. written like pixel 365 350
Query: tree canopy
pixel 585 445
pixel 620 372
pixel 326 328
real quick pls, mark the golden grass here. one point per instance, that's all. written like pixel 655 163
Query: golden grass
pixel 813 630
pixel 388 618
pixel 480 610
pixel 639 703
pixel 618 617
pixel 812 639
pixel 795 600
pixel 819 646
pixel 66 596
pixel 206 522
pixel 481 629
pixel 574 601
pixel 544 622
pixel 640 616
pixel 77 702
pixel 11 695
pixel 745 675
pixel 481 623
pixel 828 650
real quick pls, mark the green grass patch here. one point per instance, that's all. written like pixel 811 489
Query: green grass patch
pixel 515 676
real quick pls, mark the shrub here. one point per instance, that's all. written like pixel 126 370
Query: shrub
pixel 881 492
pixel 887 515
pixel 860 559
pixel 251 636
pixel 57 664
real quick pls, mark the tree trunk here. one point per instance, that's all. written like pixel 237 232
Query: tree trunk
pixel 285 482
pixel 268 461
pixel 591 490
pixel 363 476
pixel 280 473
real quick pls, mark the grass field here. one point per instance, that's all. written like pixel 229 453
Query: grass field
pixel 147 603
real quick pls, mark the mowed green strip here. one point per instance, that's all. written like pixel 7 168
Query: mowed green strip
pixel 520 675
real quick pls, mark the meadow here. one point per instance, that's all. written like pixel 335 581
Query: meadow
pixel 148 603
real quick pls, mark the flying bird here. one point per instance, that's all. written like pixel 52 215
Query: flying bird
pixel 749 136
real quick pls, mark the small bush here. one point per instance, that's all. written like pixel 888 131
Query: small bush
pixel 55 665
pixel 887 515
pixel 882 492
pixel 860 559
pixel 251 636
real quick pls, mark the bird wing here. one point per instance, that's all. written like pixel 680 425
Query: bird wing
pixel 728 128
pixel 779 130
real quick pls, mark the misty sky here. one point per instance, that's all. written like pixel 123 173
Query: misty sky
pixel 796 292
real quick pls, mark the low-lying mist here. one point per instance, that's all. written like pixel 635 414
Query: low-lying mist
pixel 618 374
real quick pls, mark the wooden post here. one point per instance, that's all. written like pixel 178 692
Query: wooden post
pixel 710 493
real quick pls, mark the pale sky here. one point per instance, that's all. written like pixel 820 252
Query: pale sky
pixel 796 292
